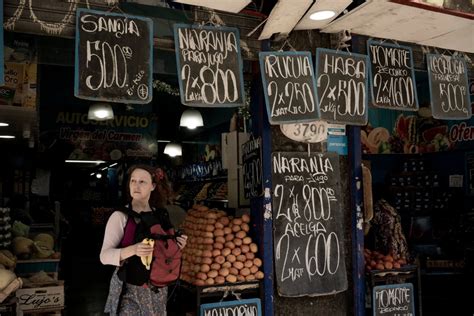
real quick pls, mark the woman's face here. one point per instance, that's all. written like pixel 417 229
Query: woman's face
pixel 141 185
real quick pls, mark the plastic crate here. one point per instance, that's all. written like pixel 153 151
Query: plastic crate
pixel 24 267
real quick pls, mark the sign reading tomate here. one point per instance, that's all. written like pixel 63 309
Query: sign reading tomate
pixel 114 55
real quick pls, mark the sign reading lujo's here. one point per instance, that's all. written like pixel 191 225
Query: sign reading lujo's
pixel 209 66
pixel 342 86
pixel 114 55
pixel 308 224
pixel 392 76
pixel 289 86
pixel 448 87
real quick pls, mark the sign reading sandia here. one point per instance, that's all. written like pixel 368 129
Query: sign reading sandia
pixel 114 56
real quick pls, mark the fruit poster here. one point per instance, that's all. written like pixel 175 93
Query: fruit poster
pixel 395 132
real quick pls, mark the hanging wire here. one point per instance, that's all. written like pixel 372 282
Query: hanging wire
pixel 287 43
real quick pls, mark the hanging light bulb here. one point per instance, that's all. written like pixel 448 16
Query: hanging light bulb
pixel 100 112
pixel 191 119
pixel 173 149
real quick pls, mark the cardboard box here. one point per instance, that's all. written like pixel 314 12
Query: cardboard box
pixel 40 298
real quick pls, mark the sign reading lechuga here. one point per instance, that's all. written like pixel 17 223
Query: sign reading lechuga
pixel 392 76
pixel 210 69
pixel 308 224
pixel 114 55
pixel 289 86
pixel 448 87
pixel 342 86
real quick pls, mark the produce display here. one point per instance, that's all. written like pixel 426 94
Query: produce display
pixel 218 250
pixel 40 247
pixel 375 260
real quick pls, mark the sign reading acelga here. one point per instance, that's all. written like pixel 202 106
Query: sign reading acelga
pixel 308 224
pixel 114 56
pixel 210 69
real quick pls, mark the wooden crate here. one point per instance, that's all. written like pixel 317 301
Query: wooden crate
pixel 41 298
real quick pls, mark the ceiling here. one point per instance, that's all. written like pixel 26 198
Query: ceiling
pixel 407 23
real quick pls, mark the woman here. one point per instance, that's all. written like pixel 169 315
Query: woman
pixel 129 293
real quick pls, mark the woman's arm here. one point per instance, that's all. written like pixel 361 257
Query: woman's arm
pixel 111 253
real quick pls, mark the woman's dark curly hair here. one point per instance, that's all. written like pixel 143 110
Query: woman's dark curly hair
pixel 163 192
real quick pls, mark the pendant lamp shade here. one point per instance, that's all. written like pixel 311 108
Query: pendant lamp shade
pixel 191 119
pixel 173 149
pixel 100 112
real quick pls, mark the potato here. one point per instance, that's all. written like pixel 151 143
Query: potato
pixel 206 260
pixel 216 252
pixel 205 268
pixel 240 234
pixel 218 232
pixel 218 245
pixel 201 276
pixel 238 265
pixel 388 265
pixel 227 230
pixel 209 228
pixel 224 220
pixel 237 242
pixel 224 272
pixel 250 255
pixel 212 274
pixel 241 258
pixel 240 278
pixel 230 245
pixel 245 271
pixel 220 239
pixel 248 263
pixel 245 248
pixel 236 228
pixel 207 254
pixel 208 235
pixel 231 278
pixel 210 281
pixel 253 269
pixel 250 277
pixel 208 241
pixel 237 221
pixel 227 265
pixel 231 258
pixel 257 262
pixel 259 275
pixel 199 283
pixel 226 251
pixel 215 266
pixel 246 218
pixel 219 279
pixel 253 247
pixel 220 259
pixel 229 237
pixel 233 271
pixel 247 241
pixel 245 227
pixel 219 225
pixel 236 251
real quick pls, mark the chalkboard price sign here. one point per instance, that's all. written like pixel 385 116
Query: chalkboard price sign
pixel 307 219
pixel 393 300
pixel 114 55
pixel 289 86
pixel 342 86
pixel 209 66
pixel 392 76
pixel 448 87
pixel 249 307
pixel 252 158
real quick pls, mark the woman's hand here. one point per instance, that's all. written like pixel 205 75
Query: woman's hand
pixel 142 249
pixel 182 241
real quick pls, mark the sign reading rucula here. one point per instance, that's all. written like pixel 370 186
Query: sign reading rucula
pixel 209 66
pixel 393 300
pixel 448 87
pixel 114 55
pixel 289 86
pixel 342 86
pixel 308 224
pixel 252 168
pixel 392 76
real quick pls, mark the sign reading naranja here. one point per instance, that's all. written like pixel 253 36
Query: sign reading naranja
pixel 210 68
pixel 308 224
